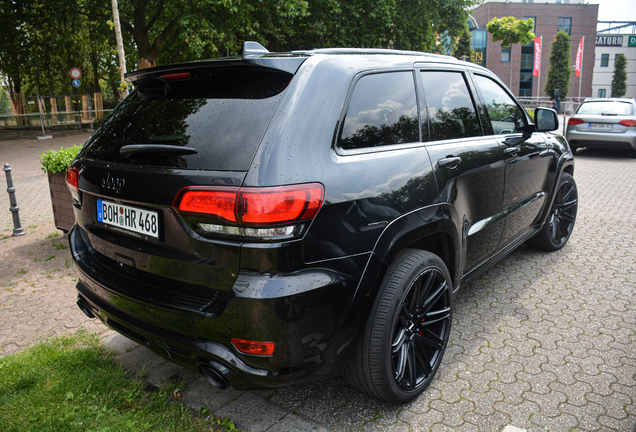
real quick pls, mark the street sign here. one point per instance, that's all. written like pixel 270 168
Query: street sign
pixel 75 73
pixel 76 83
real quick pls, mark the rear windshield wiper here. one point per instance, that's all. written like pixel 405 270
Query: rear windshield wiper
pixel 128 150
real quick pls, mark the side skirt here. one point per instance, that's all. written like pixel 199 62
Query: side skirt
pixel 497 257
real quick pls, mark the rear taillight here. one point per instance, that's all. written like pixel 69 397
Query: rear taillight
pixel 628 123
pixel 254 347
pixel 72 182
pixel 267 213
pixel 575 121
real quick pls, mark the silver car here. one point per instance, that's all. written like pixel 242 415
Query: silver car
pixel 604 123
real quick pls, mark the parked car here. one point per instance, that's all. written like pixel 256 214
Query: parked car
pixel 271 219
pixel 604 123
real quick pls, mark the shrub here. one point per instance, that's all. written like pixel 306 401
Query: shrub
pixel 58 160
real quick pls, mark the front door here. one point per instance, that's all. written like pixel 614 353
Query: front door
pixel 527 160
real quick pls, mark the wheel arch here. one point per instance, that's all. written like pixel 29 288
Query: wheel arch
pixel 431 229
pixel 565 163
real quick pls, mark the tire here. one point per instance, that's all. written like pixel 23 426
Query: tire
pixel 560 223
pixel 408 330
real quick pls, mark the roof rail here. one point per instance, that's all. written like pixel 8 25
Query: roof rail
pixel 365 51
pixel 253 48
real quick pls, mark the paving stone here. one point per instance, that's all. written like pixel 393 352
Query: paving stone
pixel 294 423
pixel 200 394
pixel 252 413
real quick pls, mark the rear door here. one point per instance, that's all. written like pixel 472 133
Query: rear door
pixel 469 167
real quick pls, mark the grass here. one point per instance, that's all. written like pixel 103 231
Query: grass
pixel 70 383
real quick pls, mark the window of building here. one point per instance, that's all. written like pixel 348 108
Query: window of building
pixel 382 111
pixel 505 54
pixel 604 60
pixel 450 107
pixel 565 24
pixel 479 42
pixel 602 93
pixel 527 62
pixel 534 23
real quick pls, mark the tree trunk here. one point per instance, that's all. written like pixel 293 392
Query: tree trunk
pixel 139 28
pixel 120 45
pixel 95 65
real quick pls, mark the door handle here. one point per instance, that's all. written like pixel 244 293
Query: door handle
pixel 449 162
pixel 511 151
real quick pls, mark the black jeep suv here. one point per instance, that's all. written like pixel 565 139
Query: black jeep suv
pixel 275 218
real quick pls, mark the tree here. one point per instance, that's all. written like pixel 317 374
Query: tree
pixel 619 81
pixel 205 28
pixel 510 31
pixel 560 69
pixel 463 46
pixel 400 24
pixel 43 39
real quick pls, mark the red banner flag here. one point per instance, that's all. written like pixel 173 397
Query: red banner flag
pixel 536 70
pixel 579 56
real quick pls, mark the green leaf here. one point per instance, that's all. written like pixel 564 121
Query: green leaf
pixel 58 160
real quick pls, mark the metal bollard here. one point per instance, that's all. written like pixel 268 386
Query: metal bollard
pixel 17 227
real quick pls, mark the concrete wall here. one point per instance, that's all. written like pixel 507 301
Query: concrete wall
pixel 603 75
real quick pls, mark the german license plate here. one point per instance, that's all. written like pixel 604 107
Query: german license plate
pixel 128 218
pixel 600 126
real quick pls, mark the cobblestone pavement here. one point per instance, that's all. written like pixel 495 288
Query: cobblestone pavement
pixel 30 182
pixel 541 341
pixel 37 288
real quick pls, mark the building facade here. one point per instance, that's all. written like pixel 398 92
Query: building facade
pixel 514 65
pixel 615 39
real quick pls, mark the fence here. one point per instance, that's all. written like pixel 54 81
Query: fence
pixel 568 105
pixel 50 113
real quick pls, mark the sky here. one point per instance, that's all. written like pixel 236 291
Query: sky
pixel 616 10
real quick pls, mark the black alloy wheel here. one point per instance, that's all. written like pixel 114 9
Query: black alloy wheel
pixel 560 223
pixel 420 330
pixel 408 330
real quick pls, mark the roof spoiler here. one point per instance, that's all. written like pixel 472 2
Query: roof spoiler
pixel 252 48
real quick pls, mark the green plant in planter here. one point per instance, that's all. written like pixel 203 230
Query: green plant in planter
pixel 58 160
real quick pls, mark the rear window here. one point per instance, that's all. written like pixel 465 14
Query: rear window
pixel 221 113
pixel 606 108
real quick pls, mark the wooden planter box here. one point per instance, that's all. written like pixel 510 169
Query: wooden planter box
pixel 62 201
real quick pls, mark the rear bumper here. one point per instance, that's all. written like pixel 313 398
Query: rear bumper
pixel 607 140
pixel 311 314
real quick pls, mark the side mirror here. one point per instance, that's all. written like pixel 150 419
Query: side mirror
pixel 546 119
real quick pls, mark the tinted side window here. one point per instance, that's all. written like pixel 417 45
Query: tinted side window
pixel 505 115
pixel 382 111
pixel 450 107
